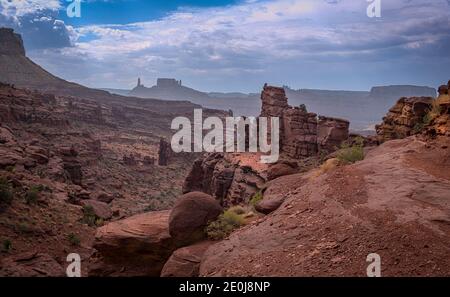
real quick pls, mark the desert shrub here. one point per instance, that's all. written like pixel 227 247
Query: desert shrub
pixel 74 239
pixel 428 118
pixel 224 225
pixel 89 216
pixel 418 127
pixel 327 166
pixel 349 154
pixel 99 222
pixel 32 195
pixel 237 210
pixel 6 194
pixel 6 245
pixel 256 198
pixel 233 218
pixel 247 169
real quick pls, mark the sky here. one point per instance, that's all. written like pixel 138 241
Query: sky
pixel 237 45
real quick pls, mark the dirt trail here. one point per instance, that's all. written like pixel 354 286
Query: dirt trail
pixel 390 204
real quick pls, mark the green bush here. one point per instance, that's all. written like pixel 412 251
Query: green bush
pixel 233 218
pixel 349 154
pixel 32 195
pixel 6 194
pixel 99 222
pixel 224 225
pixel 237 210
pixel 74 239
pixel 89 216
pixel 256 198
pixel 6 245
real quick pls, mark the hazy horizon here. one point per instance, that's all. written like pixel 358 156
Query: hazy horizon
pixel 237 46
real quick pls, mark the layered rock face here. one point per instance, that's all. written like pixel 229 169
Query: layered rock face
pixel 301 133
pixel 403 117
pixel 223 177
pixel 331 133
pixel 274 102
pixel 417 115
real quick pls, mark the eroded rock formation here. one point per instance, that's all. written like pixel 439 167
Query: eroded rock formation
pixel 301 133
pixel 164 153
pixel 403 117
pixel 225 178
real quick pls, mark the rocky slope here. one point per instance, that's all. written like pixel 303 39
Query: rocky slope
pixel 325 222
pixel 392 203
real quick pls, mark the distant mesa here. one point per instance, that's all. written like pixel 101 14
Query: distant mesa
pixel 11 43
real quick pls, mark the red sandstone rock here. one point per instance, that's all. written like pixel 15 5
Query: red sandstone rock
pixel 332 132
pixel 190 215
pixel 31 265
pixel 104 197
pixel 403 118
pixel 136 246
pixel 101 209
pixel 221 176
pixel 185 262
pixel 281 169
pixel 164 153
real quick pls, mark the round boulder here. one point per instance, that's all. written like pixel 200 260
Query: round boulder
pixel 190 215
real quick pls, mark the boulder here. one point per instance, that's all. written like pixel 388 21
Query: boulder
pixel 136 246
pixel 101 209
pixel 185 262
pixel 31 265
pixel 190 215
pixel 269 205
pixel 281 169
pixel 104 197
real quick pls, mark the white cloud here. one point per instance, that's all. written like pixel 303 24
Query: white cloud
pixel 258 37
pixel 19 8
